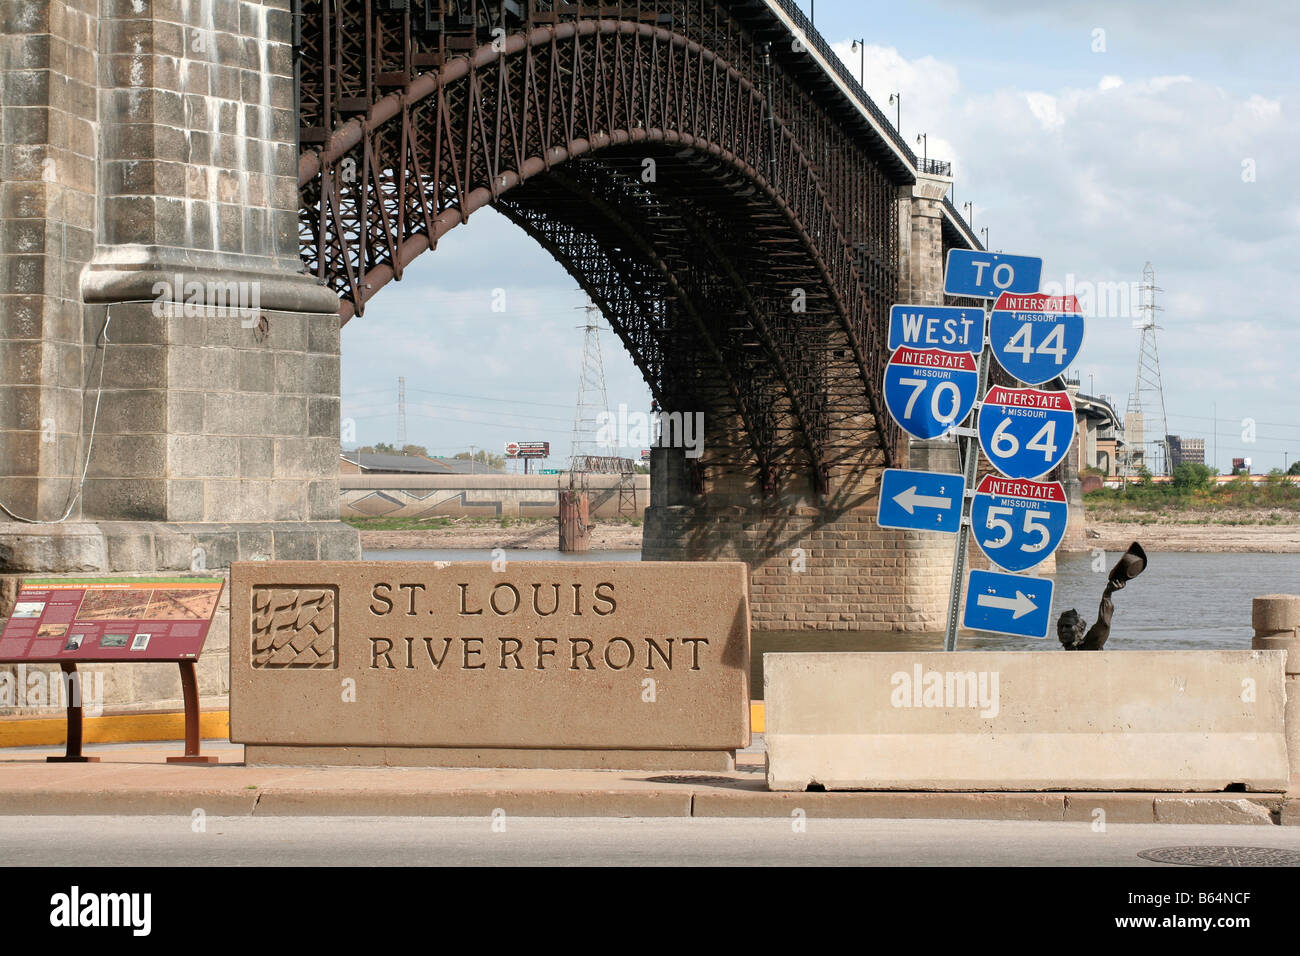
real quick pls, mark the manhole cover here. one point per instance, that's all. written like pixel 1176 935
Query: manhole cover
pixel 689 778
pixel 1222 856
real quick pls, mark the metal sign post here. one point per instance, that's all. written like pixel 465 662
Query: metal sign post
pixel 970 456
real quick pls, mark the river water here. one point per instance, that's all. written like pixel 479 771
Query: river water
pixel 1180 602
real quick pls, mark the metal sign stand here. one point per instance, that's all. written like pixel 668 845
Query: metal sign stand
pixel 970 456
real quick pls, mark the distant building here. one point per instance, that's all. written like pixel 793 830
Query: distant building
pixel 1189 451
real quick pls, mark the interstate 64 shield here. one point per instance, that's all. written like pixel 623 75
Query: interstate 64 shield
pixel 929 391
pixel 1017 523
pixel 1025 432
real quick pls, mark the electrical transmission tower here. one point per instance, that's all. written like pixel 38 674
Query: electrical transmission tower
pixel 401 411
pixel 1146 430
pixel 593 403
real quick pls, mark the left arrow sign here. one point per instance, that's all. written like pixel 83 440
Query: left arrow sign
pixel 908 499
pixel 920 500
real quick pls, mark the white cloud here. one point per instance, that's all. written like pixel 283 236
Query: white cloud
pixel 1043 106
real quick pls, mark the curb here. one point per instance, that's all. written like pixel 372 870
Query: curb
pixel 689 801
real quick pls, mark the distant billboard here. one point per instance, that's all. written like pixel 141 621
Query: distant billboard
pixel 528 449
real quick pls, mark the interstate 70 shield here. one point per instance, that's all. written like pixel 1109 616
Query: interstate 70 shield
pixel 929 391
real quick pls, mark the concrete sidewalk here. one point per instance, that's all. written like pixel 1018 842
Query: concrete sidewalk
pixel 134 780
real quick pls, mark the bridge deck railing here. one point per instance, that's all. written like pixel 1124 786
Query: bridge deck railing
pixel 818 42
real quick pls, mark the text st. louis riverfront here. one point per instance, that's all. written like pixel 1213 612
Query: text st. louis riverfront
pixel 825 562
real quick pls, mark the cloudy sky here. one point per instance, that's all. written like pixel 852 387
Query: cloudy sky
pixel 1098 135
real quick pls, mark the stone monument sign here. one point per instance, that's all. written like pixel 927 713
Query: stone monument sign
pixel 624 665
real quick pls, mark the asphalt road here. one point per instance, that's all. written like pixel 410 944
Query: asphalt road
pixel 457 841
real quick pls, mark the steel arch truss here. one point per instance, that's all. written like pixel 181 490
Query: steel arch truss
pixel 741 241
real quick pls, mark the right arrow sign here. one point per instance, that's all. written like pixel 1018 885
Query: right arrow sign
pixel 1008 604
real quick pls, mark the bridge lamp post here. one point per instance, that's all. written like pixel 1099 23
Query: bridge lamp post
pixel 861 46
pixel 970 213
pixel 896 101
pixel 985 233
pixel 924 141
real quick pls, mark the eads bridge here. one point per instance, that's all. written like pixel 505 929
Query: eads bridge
pixel 198 193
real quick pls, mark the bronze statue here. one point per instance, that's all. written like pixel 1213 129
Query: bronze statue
pixel 1070 626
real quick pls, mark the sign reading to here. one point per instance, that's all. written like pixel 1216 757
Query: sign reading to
pixel 951 328
pixel 1008 604
pixel 528 449
pixel 986 275
pixel 1025 432
pixel 110 619
pixel 920 500
pixel 1035 337
pixel 929 391
pixel 1017 523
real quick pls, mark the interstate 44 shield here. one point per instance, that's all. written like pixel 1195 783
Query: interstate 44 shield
pixel 1035 337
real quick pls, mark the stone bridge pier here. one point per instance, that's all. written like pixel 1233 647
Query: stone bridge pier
pixel 158 335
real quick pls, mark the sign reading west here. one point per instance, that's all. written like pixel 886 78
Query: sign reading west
pixel 986 275
pixel 1017 523
pixel 1025 432
pixel 928 391
pixel 920 500
pixel 951 328
pixel 1035 337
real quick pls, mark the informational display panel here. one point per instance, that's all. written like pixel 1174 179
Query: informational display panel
pixel 64 620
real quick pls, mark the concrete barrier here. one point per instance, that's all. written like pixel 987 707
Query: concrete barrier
pixel 1120 720
pixel 1276 619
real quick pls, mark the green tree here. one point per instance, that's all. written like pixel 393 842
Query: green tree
pixel 1190 476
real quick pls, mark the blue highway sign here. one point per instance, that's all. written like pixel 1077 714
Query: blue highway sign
pixel 1017 523
pixel 986 275
pixel 929 391
pixel 1035 337
pixel 1008 604
pixel 948 327
pixel 1025 432
pixel 920 500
